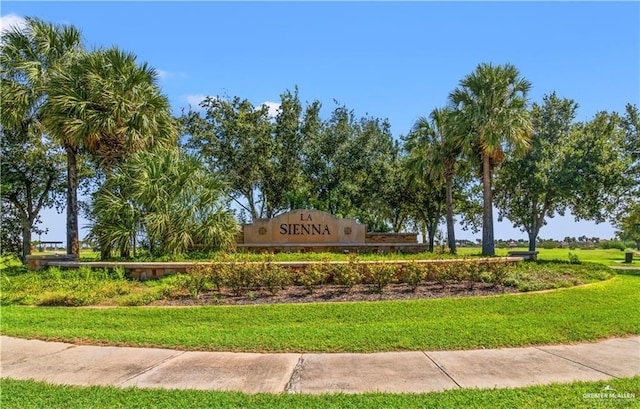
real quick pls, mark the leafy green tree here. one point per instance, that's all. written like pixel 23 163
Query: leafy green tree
pixel 235 141
pixel 283 172
pixel 109 106
pixel 324 168
pixel 168 199
pixel 629 225
pixel 29 59
pixel 346 165
pixel 10 231
pixel 576 166
pixel 631 127
pixel 32 179
pixel 492 113
pixel 596 149
pixel 398 193
pixel 534 187
pixel 427 207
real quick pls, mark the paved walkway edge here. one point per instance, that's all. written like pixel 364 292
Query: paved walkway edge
pixel 396 372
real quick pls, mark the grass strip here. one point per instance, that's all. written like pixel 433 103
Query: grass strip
pixel 591 312
pixel 31 395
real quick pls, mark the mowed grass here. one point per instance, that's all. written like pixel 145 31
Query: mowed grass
pixel 589 312
pixel 32 395
pixel 609 257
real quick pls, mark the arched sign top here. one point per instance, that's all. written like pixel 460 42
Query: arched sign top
pixel 304 227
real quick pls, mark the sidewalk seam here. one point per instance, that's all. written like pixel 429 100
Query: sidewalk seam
pixel 293 386
pixel 154 366
pixel 576 362
pixel 441 368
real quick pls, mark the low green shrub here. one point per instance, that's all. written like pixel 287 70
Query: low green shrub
pixel 380 275
pixel 198 279
pixel 273 277
pixel 346 275
pixel 573 258
pixel 413 274
pixel 313 275
pixel 243 277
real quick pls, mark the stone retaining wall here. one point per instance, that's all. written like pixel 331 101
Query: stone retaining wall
pixel 391 238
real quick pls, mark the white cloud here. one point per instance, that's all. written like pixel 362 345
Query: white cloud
pixel 168 75
pixel 273 107
pixel 163 75
pixel 12 20
pixel 195 100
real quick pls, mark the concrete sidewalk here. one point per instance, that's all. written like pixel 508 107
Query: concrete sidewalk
pixel 62 363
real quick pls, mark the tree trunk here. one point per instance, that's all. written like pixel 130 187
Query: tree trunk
pixel 488 247
pixel 533 237
pixel 431 229
pixel 26 239
pixel 451 234
pixel 73 245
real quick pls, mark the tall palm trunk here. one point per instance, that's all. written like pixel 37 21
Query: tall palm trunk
pixel 451 235
pixel 488 247
pixel 73 245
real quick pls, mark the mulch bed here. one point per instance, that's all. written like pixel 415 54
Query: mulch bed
pixel 334 293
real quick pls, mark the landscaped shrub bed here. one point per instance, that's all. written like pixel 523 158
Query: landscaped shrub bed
pixel 81 287
pixel 241 278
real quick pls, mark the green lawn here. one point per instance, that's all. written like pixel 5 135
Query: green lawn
pixel 610 257
pixel 32 395
pixel 590 312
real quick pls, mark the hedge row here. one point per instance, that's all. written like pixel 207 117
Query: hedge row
pixel 243 277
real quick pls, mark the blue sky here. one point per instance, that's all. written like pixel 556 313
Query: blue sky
pixel 395 60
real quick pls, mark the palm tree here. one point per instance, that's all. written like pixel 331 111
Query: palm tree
pixel 492 111
pixel 167 197
pixel 30 58
pixel 109 106
pixel 435 153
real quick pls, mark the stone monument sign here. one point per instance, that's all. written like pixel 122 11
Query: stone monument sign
pixel 304 227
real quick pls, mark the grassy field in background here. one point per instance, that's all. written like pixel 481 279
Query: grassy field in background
pixel 36 395
pixel 611 257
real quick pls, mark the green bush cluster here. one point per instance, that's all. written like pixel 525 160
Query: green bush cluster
pixel 245 277
pixel 617 244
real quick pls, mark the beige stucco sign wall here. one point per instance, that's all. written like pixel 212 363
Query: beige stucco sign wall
pixel 302 227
